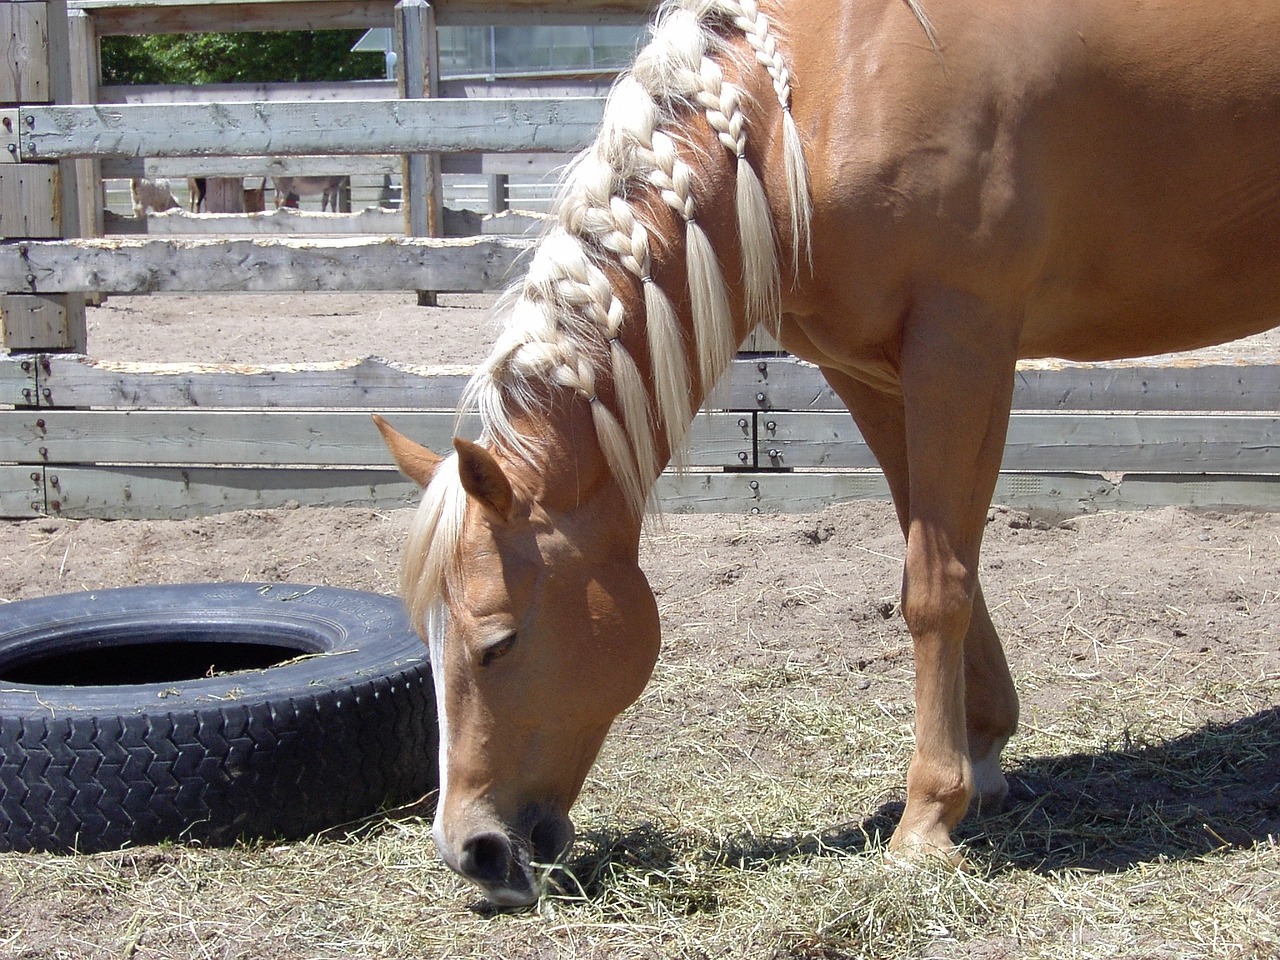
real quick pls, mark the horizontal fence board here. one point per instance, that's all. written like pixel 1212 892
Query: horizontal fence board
pixel 583 85
pixel 131 493
pixel 1176 443
pixel 21 492
pixel 475 164
pixel 18 380
pixel 308 127
pixel 259 265
pixel 302 437
pixel 119 17
pixel 1149 385
pixel 471 163
pixel 788 383
pixel 804 491
pixel 371 383
pixel 175 493
pixel 177 169
pixel 1143 491
pixel 114 17
pixel 280 222
pixel 291 222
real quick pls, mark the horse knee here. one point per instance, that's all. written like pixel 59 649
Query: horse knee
pixel 937 599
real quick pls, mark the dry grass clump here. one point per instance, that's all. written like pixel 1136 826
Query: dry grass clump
pixel 1133 844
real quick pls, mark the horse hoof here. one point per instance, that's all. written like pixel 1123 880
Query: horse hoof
pixel 914 847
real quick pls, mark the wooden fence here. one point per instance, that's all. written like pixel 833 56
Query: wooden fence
pixel 85 438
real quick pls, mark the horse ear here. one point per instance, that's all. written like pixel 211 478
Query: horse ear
pixel 483 479
pixel 414 460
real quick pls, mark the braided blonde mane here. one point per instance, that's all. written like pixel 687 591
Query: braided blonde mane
pixel 566 320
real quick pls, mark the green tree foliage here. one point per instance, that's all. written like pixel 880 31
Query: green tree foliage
pixel 287 57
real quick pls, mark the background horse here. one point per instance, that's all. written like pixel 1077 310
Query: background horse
pixel 289 190
pixel 945 188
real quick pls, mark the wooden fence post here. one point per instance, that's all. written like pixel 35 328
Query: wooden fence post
pixel 38 199
pixel 418 76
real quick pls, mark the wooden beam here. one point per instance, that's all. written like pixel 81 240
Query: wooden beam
pixel 175 493
pixel 42 322
pixel 591 84
pixel 371 384
pixel 1140 491
pixel 172 493
pixel 788 383
pixel 421 191
pixel 119 265
pixel 212 16
pixel 18 385
pixel 201 437
pixel 21 492
pixel 287 222
pixel 179 168
pixel 1169 443
pixel 309 127
pixel 804 492
pixel 24 63
pixel 30 200
pixel 116 18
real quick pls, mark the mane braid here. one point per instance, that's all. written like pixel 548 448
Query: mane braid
pixel 566 322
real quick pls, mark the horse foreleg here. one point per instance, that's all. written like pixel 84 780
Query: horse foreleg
pixel 957 382
pixel 990 699
pixel 990 706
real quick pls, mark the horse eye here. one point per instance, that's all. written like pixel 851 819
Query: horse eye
pixel 499 648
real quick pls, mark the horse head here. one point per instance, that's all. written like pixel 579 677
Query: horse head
pixel 542 629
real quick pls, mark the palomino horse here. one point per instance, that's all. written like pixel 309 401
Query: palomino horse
pixel 951 185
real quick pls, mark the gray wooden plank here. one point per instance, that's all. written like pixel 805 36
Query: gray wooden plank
pixel 595 84
pixel 21 492
pixel 127 493
pixel 300 437
pixel 18 380
pixel 262 264
pixel 788 383
pixel 308 127
pixel 802 492
pixel 177 168
pixel 202 16
pixel 116 17
pixel 1175 443
pixel 279 222
pixel 132 493
pixel 1143 491
pixel 369 383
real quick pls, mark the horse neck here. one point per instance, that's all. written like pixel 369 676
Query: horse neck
pixel 664 257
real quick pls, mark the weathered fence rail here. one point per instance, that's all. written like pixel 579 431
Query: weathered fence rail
pixel 509 124
pixel 146 440
pixel 126 265
pixel 84 438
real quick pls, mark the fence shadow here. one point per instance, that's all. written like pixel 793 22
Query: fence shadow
pixel 1214 788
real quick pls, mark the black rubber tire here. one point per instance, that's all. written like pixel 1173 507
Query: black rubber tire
pixel 307 743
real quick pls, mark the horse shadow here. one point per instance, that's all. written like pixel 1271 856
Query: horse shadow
pixel 1215 788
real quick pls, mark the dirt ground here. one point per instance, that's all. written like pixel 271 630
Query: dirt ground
pixel 1186 602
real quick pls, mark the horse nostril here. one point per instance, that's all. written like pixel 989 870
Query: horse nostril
pixel 551 837
pixel 486 858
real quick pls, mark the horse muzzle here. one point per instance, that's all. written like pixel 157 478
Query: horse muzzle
pixel 503 864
